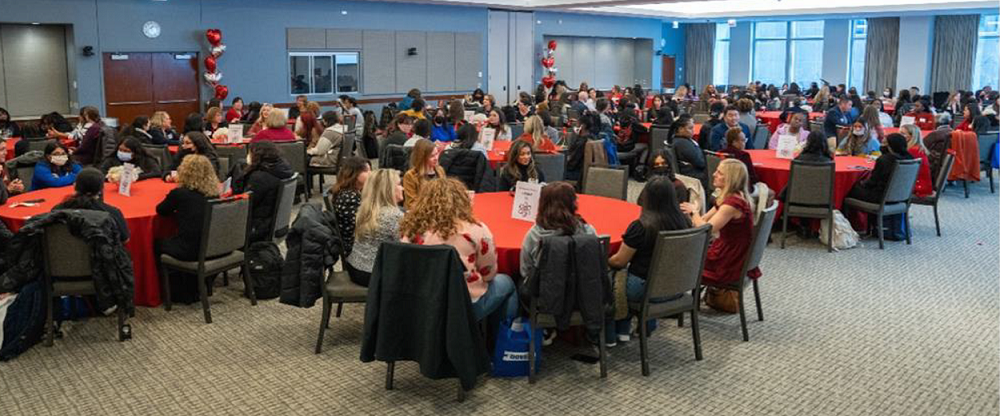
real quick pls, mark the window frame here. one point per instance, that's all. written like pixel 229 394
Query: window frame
pixel 853 37
pixel 723 43
pixel 980 38
pixel 789 37
pixel 332 55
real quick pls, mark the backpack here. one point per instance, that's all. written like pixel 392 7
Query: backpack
pixel 844 236
pixel 24 322
pixel 266 263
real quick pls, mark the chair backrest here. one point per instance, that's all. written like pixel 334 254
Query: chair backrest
pixel 64 254
pixel 672 158
pixel 902 180
pixel 761 232
pixel 223 168
pixel 761 134
pixel 959 119
pixel 677 262
pixel 26 174
pixel 286 200
pixel 516 130
pixel 946 165
pixel 811 183
pixel 572 114
pixel 295 154
pixel 226 226
pixel 396 157
pixel 593 154
pixel 712 161
pixel 657 138
pixel 553 166
pixel 160 152
pixel 346 147
pixel 233 153
pixel 815 125
pixel 40 144
pixel 607 181
pixel 700 118
pixel 986 144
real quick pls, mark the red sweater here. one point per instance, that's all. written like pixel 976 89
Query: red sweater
pixel 924 121
pixel 233 116
pixel 275 135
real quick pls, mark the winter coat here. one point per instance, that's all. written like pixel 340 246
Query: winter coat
pixel 111 264
pixel 467 165
pixel 575 279
pixel 313 245
pixel 409 317
pixel 265 183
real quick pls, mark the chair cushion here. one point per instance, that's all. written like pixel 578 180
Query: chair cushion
pixel 73 287
pixel 662 309
pixel 215 265
pixel 799 210
pixel 890 209
pixel 340 287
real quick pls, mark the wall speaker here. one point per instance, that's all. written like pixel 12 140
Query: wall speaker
pixel 411 52
pixel 88 51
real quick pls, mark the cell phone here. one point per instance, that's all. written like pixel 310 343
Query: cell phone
pixel 33 201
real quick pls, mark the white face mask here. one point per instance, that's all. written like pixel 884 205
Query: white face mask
pixel 858 132
pixel 60 160
pixel 248 159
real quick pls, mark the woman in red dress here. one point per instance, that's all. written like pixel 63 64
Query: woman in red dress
pixel 915 145
pixel 732 218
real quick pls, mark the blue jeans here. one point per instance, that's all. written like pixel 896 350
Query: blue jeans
pixel 635 289
pixel 500 292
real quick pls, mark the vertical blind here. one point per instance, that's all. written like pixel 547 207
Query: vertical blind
pixel 698 53
pixel 881 53
pixel 954 52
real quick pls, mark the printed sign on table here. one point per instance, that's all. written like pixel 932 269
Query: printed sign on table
pixel 907 120
pixel 487 137
pixel 525 205
pixel 786 146
pixel 235 133
pixel 126 179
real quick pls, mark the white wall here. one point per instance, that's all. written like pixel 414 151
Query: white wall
pixel 916 41
pixel 739 55
pixel 836 50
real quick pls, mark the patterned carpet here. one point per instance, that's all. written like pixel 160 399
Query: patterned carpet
pixel 911 330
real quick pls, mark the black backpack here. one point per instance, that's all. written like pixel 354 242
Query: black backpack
pixel 266 263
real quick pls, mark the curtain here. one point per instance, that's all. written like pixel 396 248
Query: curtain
pixel 881 53
pixel 698 53
pixel 954 52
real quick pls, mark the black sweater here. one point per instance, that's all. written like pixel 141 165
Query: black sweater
pixel 188 207
pixel 265 182
pixel 508 182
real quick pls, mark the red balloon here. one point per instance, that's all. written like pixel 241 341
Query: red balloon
pixel 548 62
pixel 221 91
pixel 549 81
pixel 214 36
pixel 210 63
pixel 552 44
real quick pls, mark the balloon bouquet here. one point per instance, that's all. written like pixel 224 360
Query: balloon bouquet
pixel 212 77
pixel 548 65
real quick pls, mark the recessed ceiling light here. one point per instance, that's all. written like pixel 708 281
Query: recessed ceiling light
pixel 676 24
pixel 343 12
pixel 35 23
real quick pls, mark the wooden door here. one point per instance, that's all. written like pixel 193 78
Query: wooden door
pixel 142 83
pixel 668 76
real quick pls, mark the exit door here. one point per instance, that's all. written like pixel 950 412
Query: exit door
pixel 142 83
pixel 511 54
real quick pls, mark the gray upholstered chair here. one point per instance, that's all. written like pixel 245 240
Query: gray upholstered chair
pixel 223 171
pixel 815 125
pixel 700 118
pixel 939 182
pixel 160 152
pixel 896 199
pixel 572 114
pixel 346 150
pixel 338 289
pixel 676 268
pixel 283 212
pixel 986 144
pixel 761 232
pixel 607 181
pixel 809 194
pixel 712 161
pixel 295 154
pixel 26 174
pixel 672 158
pixel 593 155
pixel 516 130
pixel 761 134
pixel 349 123
pixel 39 144
pixel 553 166
pixel 234 153
pixel 224 242
pixel 658 138
pixel 67 272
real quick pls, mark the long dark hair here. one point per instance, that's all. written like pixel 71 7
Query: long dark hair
pixel 139 154
pixel 513 168
pixel 264 155
pixel 201 144
pixel 347 178
pixel 668 170
pixel 194 122
pixel 816 144
pixel 138 123
pixel 8 121
pixel 467 136
pixel 557 208
pixel 87 190
pixel 660 209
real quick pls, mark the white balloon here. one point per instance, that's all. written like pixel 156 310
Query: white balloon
pixel 213 77
pixel 218 50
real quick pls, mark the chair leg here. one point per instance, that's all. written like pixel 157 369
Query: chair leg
pixel 680 320
pixel 602 350
pixel 248 284
pixel 881 237
pixel 323 323
pixel 340 308
pixel 965 184
pixel 937 223
pixel 643 346
pixel 743 317
pixel 829 234
pixel 225 278
pixel 50 322
pixel 784 227
pixel 906 225
pixel 696 335
pixel 203 293
pixel 460 396
pixel 531 352
pixel 390 368
pixel 165 279
pixel 756 298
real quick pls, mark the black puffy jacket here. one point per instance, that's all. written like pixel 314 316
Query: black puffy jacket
pixel 468 166
pixel 313 245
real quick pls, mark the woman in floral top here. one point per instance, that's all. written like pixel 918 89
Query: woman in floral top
pixel 443 215
pixel 346 196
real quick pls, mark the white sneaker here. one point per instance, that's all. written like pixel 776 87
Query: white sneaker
pixel 110 310
pixel 548 336
pixel 624 338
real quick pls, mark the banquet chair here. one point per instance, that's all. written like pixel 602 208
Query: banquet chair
pixel 283 212
pixel 593 155
pixel 939 183
pixel 552 165
pixel 987 143
pixel 529 299
pixel 700 118
pixel 338 289
pixel 896 199
pixel 396 157
pixel 607 181
pixel 67 272
pixel 761 134
pixel 671 158
pixel 160 152
pixel 234 154
pixel 761 233
pixel 223 171
pixel 815 125
pixel 572 114
pixel 675 269
pixel 224 242
pixel 657 138
pixel 26 174
pixel 516 130
pixel 467 165
pixel 712 161
pixel 295 154
pixel 346 150
pixel 809 194
pixel 350 123
pixel 39 144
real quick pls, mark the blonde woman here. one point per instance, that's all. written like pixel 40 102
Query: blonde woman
pixel 821 102
pixel 423 168
pixel 161 129
pixel 443 215
pixel 275 128
pixel 915 145
pixel 258 124
pixel 534 134
pixel 732 218
pixel 214 121
pixel 871 118
pixel 377 222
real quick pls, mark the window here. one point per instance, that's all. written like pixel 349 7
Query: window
pixel 314 73
pixel 859 40
pixel 786 52
pixel 986 69
pixel 720 71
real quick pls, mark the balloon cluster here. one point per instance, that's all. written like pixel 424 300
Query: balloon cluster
pixel 212 77
pixel 548 65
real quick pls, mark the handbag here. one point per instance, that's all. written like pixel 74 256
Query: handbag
pixel 510 357
pixel 844 236
pixel 723 300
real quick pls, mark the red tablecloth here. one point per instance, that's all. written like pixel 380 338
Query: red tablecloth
pixel 499 153
pixel 140 215
pixel 774 172
pixel 890 130
pixel 10 146
pixel 608 216
pixel 772 118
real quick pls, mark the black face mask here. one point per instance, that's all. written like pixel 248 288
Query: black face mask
pixel 438 120
pixel 660 171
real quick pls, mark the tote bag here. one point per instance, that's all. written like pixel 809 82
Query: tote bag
pixel 510 357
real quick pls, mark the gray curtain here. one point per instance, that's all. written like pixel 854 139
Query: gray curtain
pixel 698 54
pixel 881 53
pixel 954 52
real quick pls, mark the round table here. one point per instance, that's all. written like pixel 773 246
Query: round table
pixel 608 216
pixel 773 118
pixel 774 171
pixel 174 148
pixel 498 155
pixel 139 211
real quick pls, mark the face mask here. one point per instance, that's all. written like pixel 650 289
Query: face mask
pixel 660 171
pixel 124 156
pixel 60 160
pixel 576 130
pixel 858 132
pixel 885 93
pixel 438 120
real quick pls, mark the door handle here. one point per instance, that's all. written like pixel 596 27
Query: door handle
pixel 175 101
pixel 131 102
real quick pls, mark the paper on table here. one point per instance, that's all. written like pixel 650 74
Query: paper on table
pixel 906 120
pixel 469 115
pixel 126 179
pixel 487 136
pixel 786 146
pixel 226 187
pixel 525 205
pixel 235 133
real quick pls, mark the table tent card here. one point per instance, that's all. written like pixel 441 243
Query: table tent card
pixel 487 137
pixel 126 179
pixel 907 120
pixel 525 205
pixel 786 146
pixel 235 133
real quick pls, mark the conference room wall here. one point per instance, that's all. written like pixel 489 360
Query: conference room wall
pixel 836 50
pixel 916 42
pixel 673 43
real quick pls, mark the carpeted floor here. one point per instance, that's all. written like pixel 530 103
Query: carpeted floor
pixel 911 330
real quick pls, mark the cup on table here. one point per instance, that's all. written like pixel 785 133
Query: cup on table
pixel 472 196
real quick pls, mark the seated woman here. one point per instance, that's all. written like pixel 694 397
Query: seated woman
pixel 131 151
pixel 377 222
pixel 974 120
pixel 214 121
pixel 660 212
pixel 872 188
pixel 193 143
pixel 326 152
pixel 443 215
pixel 498 124
pixel 659 166
pixel 520 167
pixel 261 121
pixel 859 142
pixel 263 176
pixel 794 127
pixel 55 169
pixel 922 115
pixel 421 131
pixel 468 138
pixel 196 184
pixel 139 129
pixel 585 130
pixel 817 148
pixel 735 143
pixel 534 134
pixel 398 131
pixel 86 138
pixel 8 185
pixel 309 129
pixel 161 131
pixel 442 130
pixel 423 168
pixel 915 146
pixel 346 197
pixel 8 128
pixel 235 113
pixel 732 218
pixel 690 159
pixel 275 128
pixel 89 186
